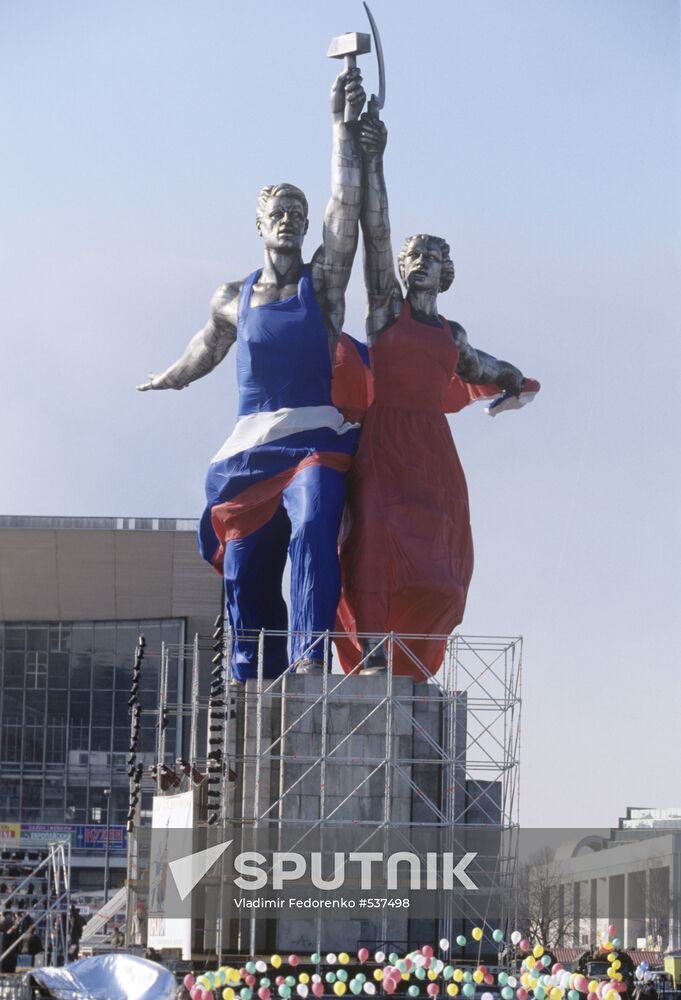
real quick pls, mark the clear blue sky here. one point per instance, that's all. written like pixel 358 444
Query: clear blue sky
pixel 542 138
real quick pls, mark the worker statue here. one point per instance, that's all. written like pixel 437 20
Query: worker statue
pixel 277 484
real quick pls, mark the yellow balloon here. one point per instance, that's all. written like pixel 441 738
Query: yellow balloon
pixel 525 980
pixel 530 962
pixel 452 989
pixel 275 961
pixel 344 958
pixel 607 946
pixel 478 976
pixel 339 988
pixel 458 975
pixel 432 974
pixel 476 933
pixel 537 951
pixel 228 993
pixel 378 975
pixel 303 978
pixel 611 995
pixel 556 993
pixel 617 964
pixel 593 986
pixel 233 976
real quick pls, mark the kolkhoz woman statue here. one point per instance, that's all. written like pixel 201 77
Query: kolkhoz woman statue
pixel 407 561
pixel 278 482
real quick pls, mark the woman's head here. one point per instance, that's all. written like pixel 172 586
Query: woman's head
pixel 424 262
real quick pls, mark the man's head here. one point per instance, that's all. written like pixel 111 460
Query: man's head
pixel 425 264
pixel 281 217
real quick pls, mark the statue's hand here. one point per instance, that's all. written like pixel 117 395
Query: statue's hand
pixel 509 378
pixel 347 91
pixel 157 382
pixel 373 135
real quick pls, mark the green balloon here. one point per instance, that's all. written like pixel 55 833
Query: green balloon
pixel 250 968
pixel 284 991
pixel 361 977
pixel 469 989
pixel 330 977
pixel 507 993
pixel 290 980
pixel 355 986
pixel 468 978
pixel 420 972
pixel 539 993
pixel 498 935
pixel 246 994
pixel 315 958
pixel 413 991
pixel 342 974
pixel 461 940
pixel 448 971
pixel 265 981
pixel 503 978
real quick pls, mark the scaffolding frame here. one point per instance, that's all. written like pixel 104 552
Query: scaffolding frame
pixel 477 694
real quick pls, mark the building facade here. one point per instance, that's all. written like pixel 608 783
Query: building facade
pixel 75 595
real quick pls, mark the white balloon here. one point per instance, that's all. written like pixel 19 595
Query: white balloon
pixel 302 990
pixel 331 958
pixel 512 982
pixel 380 956
pixel 516 937
pixel 261 966
pixel 444 944
pixel 369 988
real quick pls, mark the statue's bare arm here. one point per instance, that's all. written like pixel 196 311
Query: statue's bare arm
pixel 207 348
pixel 332 262
pixel 480 368
pixel 384 295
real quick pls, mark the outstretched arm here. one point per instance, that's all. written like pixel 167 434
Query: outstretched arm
pixel 332 262
pixel 207 348
pixel 384 295
pixel 480 368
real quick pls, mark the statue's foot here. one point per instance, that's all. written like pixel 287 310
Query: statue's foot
pixel 375 659
pixel 235 683
pixel 308 665
pixel 374 668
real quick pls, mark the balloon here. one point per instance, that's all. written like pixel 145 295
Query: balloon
pixel 525 944
pixel 330 977
pixel 355 986
pixel 432 990
pixel 303 977
pixel 521 993
pixel 339 988
pixel 413 991
pixel 363 954
pixel 444 944
pixel 380 956
pixel 331 959
pixel 344 958
pixel 342 974
pixel 612 930
pixel 228 993
pixel 370 988
pixel 460 940
pixel 516 937
pixel 478 976
pixel 489 979
pixel 476 933
pixel 378 975
pixel 468 977
pixel 616 942
pixel 263 993
pixel 302 990
pixel 503 978
pixel 318 989
pixel 458 975
pixel 189 981
pixel 468 989
pixel 452 989
pixel 497 935
pixel 315 958
pixel 538 951
pixel 507 993
pixel 284 991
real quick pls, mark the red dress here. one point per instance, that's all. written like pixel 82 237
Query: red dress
pixel 408 558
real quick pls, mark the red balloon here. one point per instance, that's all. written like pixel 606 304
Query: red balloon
pixel 521 993
pixel 363 954
pixel 432 990
pixel 280 980
pixel 250 980
pixel 489 979
pixel 389 985
pixel 427 951
pixel 264 993
pixel 318 989
pixel 293 960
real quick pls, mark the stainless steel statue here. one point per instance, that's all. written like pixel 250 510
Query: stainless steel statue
pixel 277 484
pixel 408 558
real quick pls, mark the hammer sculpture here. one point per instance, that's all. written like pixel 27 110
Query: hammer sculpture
pixel 356 43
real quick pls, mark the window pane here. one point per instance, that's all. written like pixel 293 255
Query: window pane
pixel 58 670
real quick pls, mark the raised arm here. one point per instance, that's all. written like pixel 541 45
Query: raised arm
pixel 480 368
pixel 384 295
pixel 207 348
pixel 332 262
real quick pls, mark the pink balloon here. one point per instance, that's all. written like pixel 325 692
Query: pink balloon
pixel 188 981
pixel 427 951
pixel 521 993
pixel 525 944
pixel 318 989
pixel 612 931
pixel 389 985
pixel 293 960
pixel 250 980
pixel 489 979
pixel 280 980
pixel 363 954
pixel 196 993
pixel 556 968
pixel 209 995
pixel 264 993
pixel 432 989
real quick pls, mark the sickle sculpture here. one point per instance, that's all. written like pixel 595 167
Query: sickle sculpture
pixel 376 103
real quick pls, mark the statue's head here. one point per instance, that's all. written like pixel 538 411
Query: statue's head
pixel 281 217
pixel 425 264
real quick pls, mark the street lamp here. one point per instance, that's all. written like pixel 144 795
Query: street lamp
pixel 106 792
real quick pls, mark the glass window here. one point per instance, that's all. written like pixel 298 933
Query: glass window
pixel 58 670
pixel 60 638
pixel 14 668
pixel 11 742
pixel 101 738
pixel 80 707
pixel 15 637
pixel 34 742
pixel 81 672
pixel 36 637
pixel 103 670
pixel 36 669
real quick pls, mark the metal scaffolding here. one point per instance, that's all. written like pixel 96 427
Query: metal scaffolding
pixel 313 754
